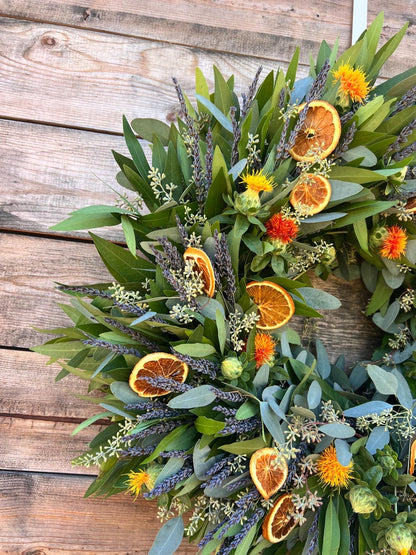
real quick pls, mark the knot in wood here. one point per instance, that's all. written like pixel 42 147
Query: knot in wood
pixel 172 116
pixel 34 552
pixel 48 41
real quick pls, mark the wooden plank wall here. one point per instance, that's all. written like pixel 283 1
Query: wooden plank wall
pixel 68 71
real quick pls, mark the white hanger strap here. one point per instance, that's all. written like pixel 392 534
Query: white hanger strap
pixel 359 19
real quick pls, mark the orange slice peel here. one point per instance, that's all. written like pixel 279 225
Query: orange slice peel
pixel 311 195
pixel 319 134
pixel 267 474
pixel 202 263
pixel 279 523
pixel 275 305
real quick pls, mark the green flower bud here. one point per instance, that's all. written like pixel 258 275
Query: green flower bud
pixel 247 202
pixel 329 256
pixel 231 368
pixel 279 246
pixel 363 501
pixel 387 463
pixel 377 236
pixel 399 538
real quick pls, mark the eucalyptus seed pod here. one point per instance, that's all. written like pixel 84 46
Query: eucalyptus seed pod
pixel 231 368
pixel 328 256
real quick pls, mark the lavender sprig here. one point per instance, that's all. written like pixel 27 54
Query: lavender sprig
pixel 225 410
pixel 248 98
pixel 231 396
pixel 165 383
pixel 282 146
pixel 233 543
pixel 297 129
pixel 318 85
pixel 236 137
pixel 347 140
pixel 218 466
pixel 160 428
pixel 172 254
pixel 151 345
pixel 202 366
pixel 408 99
pixel 233 426
pixel 196 153
pixel 87 291
pixel 170 483
pixel 138 451
pixel 313 534
pixel 209 158
pixel 182 231
pixel 223 266
pixel 119 349
pixel 401 139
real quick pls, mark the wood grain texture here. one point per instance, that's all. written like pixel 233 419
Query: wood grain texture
pixel 28 389
pixel 86 79
pixel 48 172
pixel 268 29
pixel 45 514
pixel 43 445
pixel 28 269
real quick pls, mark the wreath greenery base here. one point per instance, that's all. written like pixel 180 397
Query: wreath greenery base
pixel 258 439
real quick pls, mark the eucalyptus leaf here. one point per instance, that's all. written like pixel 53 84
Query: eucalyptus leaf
pixel 200 396
pixel 385 382
pixel 197 350
pixel 323 365
pixel 173 466
pixel 271 422
pixel 343 189
pixel 169 537
pixel 372 407
pixel 314 395
pixel 378 438
pixel 344 454
pixel 337 430
pixel 319 300
pixel 124 393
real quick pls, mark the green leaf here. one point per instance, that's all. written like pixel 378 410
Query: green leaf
pixel 208 426
pixel 244 546
pixel 247 410
pixel 121 263
pixel 386 51
pixel 319 300
pixel 332 534
pixel 214 111
pixel 292 69
pixel 314 395
pixel 173 466
pixel 201 87
pixel 196 350
pixel 128 230
pixel 338 430
pixel 245 447
pixel 135 150
pixel 222 332
pixel 124 393
pixel 200 396
pixel 385 382
pixel 343 190
pixel 360 230
pixel 147 127
pixel 344 546
pixel 169 537
pixel 63 349
pixel 380 296
pixel 91 420
pixel 223 97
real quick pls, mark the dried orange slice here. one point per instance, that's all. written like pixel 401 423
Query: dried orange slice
pixel 155 365
pixel 275 305
pixel 278 523
pixel 202 263
pixel 319 134
pixel 267 474
pixel 412 456
pixel 311 195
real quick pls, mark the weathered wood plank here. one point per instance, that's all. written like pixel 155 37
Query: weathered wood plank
pixel 87 79
pixel 29 267
pixel 48 172
pixel 28 388
pixel 29 298
pixel 269 29
pixel 46 515
pixel 43 445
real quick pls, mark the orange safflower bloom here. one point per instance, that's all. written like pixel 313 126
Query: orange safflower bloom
pixel 330 471
pixel 394 244
pixel 136 480
pixel 264 346
pixel 281 228
pixel 353 83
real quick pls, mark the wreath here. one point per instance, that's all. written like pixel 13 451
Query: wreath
pixel 215 406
